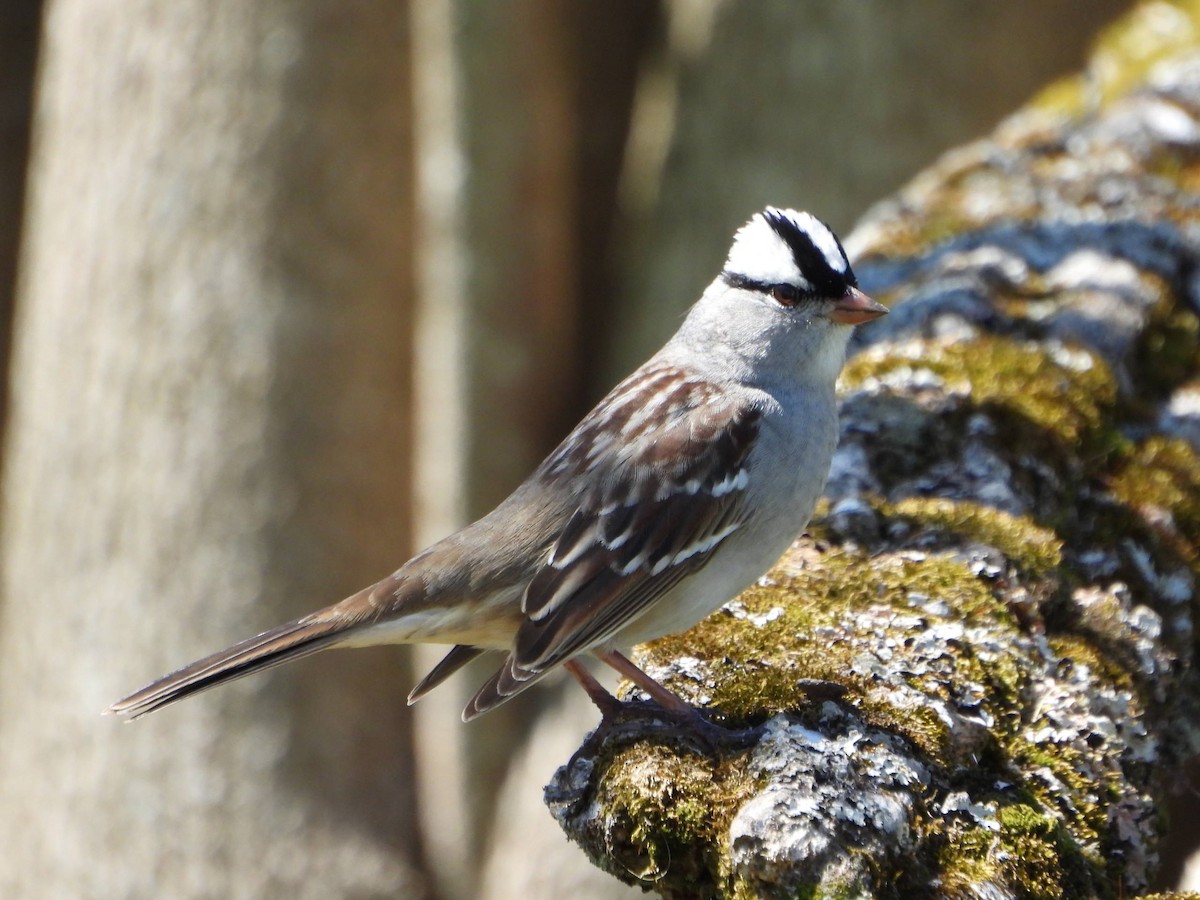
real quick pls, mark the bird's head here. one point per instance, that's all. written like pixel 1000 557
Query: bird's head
pixel 786 295
pixel 796 263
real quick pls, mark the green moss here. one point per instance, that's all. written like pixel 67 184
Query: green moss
pixel 1040 858
pixel 1168 350
pixel 1183 172
pixel 1024 819
pixel 1066 98
pixel 963 861
pixel 913 236
pixel 748 891
pixel 1035 550
pixel 1022 385
pixel 759 667
pixel 1124 53
pixel 1085 813
pixel 1024 382
pixel 795 628
pixel 1073 649
pixel 1049 417
pixel 1031 862
pixel 669 806
pixel 1163 473
pixel 920 725
pixel 1031 853
pixel 811 594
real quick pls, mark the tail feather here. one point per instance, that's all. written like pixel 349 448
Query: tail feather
pixel 508 681
pixel 283 644
pixel 458 657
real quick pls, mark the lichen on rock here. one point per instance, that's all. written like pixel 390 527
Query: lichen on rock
pixel 1001 580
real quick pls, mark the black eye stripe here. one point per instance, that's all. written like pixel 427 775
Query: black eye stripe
pixel 797 294
pixel 733 279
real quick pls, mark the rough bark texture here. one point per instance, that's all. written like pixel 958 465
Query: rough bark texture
pixel 214 315
pixel 1003 582
pixel 18 57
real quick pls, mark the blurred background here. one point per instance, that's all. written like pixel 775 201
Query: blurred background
pixel 290 289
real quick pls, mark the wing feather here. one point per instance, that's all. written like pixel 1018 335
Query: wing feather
pixel 656 515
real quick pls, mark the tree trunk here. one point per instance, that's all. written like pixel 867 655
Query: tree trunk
pixel 523 108
pixel 211 399
pixel 18 57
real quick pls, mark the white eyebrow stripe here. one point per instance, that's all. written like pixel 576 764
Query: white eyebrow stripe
pixel 761 255
pixel 824 241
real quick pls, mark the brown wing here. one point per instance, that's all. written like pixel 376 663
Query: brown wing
pixel 668 498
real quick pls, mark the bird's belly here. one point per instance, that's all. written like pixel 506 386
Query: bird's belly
pixel 709 588
pixel 751 551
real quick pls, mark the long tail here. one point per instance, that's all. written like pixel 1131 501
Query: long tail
pixel 279 645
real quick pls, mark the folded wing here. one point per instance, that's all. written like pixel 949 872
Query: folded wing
pixel 670 497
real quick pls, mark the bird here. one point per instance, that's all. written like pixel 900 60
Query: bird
pixel 675 493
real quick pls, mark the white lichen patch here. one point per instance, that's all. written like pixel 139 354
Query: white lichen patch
pixel 1180 416
pixel 982 815
pixel 738 610
pixel 1090 269
pixel 845 785
pixel 685 673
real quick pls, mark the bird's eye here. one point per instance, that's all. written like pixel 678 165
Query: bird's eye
pixel 787 295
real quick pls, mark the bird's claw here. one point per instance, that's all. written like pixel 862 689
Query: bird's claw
pixel 628 721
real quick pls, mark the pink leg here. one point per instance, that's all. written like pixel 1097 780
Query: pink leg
pixel 689 723
pixel 595 690
pixel 664 698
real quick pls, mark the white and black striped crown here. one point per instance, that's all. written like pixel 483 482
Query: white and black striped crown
pixel 783 246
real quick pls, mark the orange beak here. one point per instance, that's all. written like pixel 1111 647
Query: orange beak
pixel 855 308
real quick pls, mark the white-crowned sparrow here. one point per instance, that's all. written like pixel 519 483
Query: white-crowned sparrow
pixel 676 492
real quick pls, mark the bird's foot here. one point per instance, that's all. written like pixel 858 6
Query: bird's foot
pixel 708 736
pixel 629 721
pixel 676 720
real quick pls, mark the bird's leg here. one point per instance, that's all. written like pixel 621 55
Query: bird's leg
pixel 661 695
pixel 710 736
pixel 607 703
pixel 685 721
